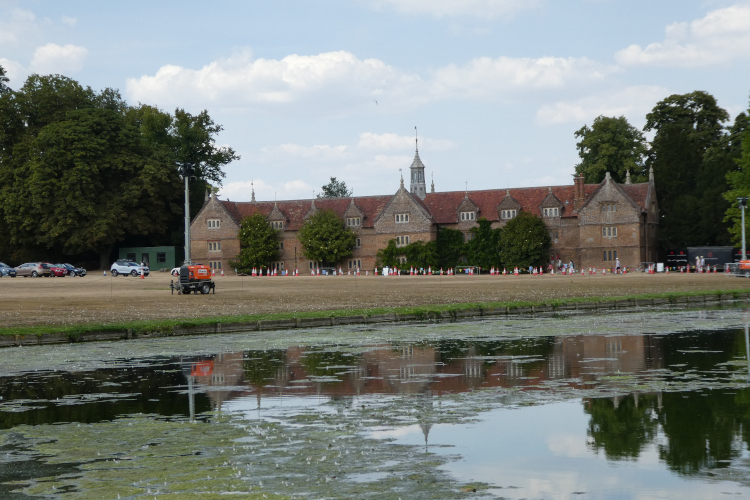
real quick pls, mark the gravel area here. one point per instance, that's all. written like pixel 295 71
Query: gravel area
pixel 99 299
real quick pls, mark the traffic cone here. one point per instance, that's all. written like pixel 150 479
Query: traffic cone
pixel 714 269
pixel 367 273
pixel 375 273
pixel 429 270
pixel 505 272
pixel 213 273
pixel 222 273
pixel 143 276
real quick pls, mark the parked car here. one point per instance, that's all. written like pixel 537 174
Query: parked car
pixel 33 269
pixel 6 270
pixel 127 267
pixel 55 270
pixel 72 270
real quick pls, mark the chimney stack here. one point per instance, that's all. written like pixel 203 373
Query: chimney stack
pixel 579 192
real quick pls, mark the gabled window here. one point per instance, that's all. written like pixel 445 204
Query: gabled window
pixel 551 212
pixel 277 224
pixel 353 221
pixel 213 223
pixel 468 215
pixel 402 218
pixel 609 232
pixel 508 214
pixel 608 207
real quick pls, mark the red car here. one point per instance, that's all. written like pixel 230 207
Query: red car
pixel 56 270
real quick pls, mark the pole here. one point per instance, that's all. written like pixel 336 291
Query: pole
pixel 187 218
pixel 743 203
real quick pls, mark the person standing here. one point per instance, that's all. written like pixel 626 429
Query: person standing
pixel 617 266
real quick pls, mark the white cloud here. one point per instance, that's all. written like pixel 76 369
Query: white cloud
pixel 336 82
pixel 453 8
pixel 15 72
pixel 632 102
pixel 14 24
pixel 309 153
pixel 370 140
pixel 568 445
pixel 487 78
pixel 721 36
pixel 53 58
pixel 70 21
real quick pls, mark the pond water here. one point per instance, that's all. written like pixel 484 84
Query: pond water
pixel 628 405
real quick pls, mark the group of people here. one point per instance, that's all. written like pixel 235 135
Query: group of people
pixel 559 267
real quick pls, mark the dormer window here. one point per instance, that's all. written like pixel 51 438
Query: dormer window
pixel 402 218
pixel 508 214
pixel 353 221
pixel 468 215
pixel 551 212
pixel 213 223
pixel 277 224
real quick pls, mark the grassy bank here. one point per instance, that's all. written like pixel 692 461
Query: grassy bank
pixel 166 326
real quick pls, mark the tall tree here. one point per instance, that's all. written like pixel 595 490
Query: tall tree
pixel 687 128
pixel 3 81
pixel 524 241
pixel 325 238
pixel 738 179
pixel 81 171
pixel 611 145
pixel 335 189
pixel 450 247
pixel 483 249
pixel 259 243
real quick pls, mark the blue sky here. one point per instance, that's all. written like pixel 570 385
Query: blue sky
pixel 307 90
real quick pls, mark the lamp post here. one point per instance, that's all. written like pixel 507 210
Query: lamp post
pixel 185 170
pixel 743 204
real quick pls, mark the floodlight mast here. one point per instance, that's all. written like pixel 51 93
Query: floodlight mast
pixel 743 204
pixel 186 170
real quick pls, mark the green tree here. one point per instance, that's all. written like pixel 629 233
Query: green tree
pixel 81 171
pixel 421 255
pixel 450 247
pixel 483 249
pixel 388 256
pixel 687 129
pixel 3 81
pixel 738 179
pixel 259 243
pixel 611 145
pixel 325 238
pixel 335 189
pixel 524 241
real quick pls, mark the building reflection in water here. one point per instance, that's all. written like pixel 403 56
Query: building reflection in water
pixel 422 368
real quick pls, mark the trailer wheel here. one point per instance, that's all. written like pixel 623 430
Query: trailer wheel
pixel 205 288
pixel 747 274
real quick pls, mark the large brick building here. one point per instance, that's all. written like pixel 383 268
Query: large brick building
pixel 590 224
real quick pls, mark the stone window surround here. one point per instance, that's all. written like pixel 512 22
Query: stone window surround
pixel 277 224
pixel 353 221
pixel 402 241
pixel 609 255
pixel 551 212
pixel 214 246
pixel 468 215
pixel 508 214
pixel 609 231
pixel 609 207
pixel 402 218
pixel 213 223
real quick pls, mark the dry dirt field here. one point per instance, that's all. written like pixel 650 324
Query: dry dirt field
pixel 99 299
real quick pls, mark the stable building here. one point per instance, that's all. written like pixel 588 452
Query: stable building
pixel 591 225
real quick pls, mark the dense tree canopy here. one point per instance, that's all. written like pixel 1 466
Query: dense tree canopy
pixel 524 241
pixel 335 189
pixel 739 178
pixel 483 249
pixel 3 81
pixel 259 244
pixel 690 174
pixel 611 145
pixel 81 170
pixel 325 238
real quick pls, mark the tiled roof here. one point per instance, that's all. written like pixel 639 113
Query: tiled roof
pixel 295 210
pixel 443 206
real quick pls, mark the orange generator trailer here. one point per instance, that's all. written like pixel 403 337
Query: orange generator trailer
pixel 194 278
